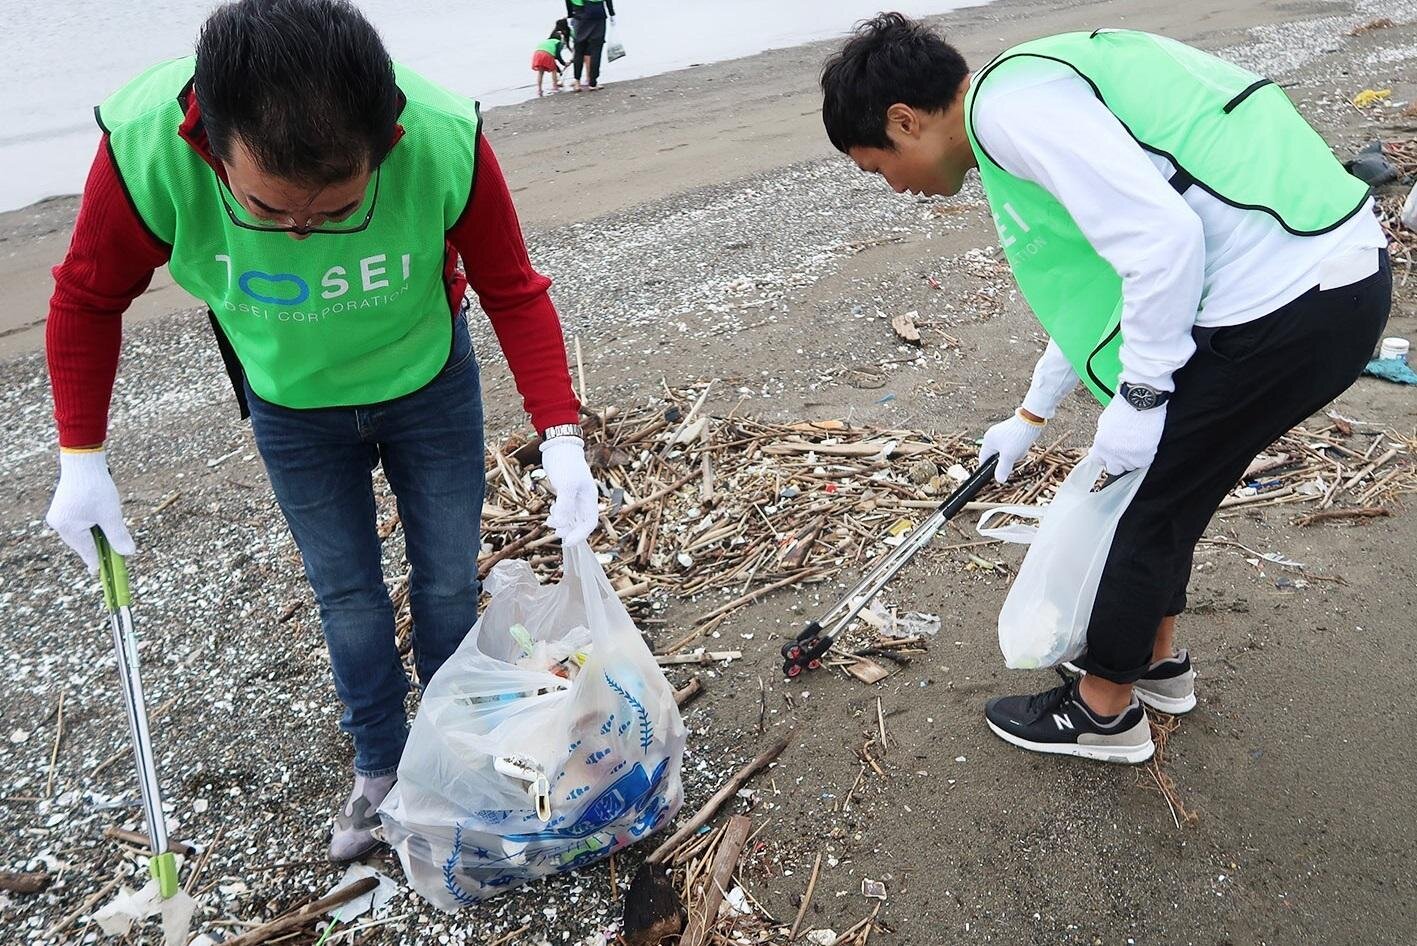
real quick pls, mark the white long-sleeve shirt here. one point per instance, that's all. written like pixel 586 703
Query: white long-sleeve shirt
pixel 1185 259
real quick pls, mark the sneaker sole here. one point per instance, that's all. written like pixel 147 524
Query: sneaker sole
pixel 1122 755
pixel 1174 705
pixel 358 855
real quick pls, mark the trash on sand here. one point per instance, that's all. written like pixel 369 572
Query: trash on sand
pixel 1394 346
pixel 821 937
pixel 915 623
pixel 1391 369
pixel 1381 23
pixel 873 888
pixel 1369 97
pixel 737 902
pixel 374 900
pixel 867 670
pixel 904 326
pixel 116 918
pixel 1371 166
pixel 1408 215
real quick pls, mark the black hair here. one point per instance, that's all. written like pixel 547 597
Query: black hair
pixel 890 58
pixel 562 30
pixel 306 85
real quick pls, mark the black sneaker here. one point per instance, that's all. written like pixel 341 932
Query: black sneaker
pixel 1168 685
pixel 1057 721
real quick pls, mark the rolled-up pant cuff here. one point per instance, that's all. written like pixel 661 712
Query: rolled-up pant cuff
pixel 376 773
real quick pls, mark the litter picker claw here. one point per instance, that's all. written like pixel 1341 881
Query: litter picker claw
pixel 806 652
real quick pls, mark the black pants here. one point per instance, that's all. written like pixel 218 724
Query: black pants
pixel 1245 387
pixel 590 41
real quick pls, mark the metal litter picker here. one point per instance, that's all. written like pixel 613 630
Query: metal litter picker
pixel 812 644
pixel 116 596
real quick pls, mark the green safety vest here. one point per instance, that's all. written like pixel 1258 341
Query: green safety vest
pixel 335 319
pixel 551 47
pixel 1227 130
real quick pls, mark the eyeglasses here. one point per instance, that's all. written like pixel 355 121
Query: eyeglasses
pixel 223 187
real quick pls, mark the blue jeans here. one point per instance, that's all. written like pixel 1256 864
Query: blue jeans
pixel 320 464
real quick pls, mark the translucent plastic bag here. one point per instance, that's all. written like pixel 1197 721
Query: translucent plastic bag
pixel 1045 616
pixel 614 49
pixel 549 740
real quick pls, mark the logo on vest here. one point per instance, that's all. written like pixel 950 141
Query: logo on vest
pixel 1012 230
pixel 368 283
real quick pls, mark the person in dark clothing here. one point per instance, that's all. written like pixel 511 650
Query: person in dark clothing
pixel 588 17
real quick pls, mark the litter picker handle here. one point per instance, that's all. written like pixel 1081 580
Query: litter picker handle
pixel 805 652
pixel 113 572
pixel 118 598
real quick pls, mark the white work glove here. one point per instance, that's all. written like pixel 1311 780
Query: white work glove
pixel 1010 440
pixel 576 510
pixel 86 497
pixel 1126 437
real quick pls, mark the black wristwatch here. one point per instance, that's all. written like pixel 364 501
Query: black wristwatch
pixel 1143 397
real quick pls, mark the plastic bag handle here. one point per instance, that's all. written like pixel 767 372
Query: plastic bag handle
pixel 1017 534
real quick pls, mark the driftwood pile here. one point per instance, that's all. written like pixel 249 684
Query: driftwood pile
pixel 1402 242
pixel 720 509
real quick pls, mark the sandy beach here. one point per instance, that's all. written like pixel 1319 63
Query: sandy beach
pixel 699 226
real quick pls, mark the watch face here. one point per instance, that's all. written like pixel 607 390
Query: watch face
pixel 1141 397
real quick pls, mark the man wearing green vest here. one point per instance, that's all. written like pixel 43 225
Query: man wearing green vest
pixel 331 208
pixel 1201 263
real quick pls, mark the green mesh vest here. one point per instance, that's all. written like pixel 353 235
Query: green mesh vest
pixel 1228 131
pixel 334 319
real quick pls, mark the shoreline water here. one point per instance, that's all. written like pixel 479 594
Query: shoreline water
pixel 479 48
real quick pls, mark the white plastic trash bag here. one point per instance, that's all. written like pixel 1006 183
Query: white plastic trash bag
pixel 1045 616
pixel 614 49
pixel 549 740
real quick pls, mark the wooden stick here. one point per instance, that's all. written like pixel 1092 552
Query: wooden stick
pixel 25 883
pixel 806 898
pixel 755 595
pixel 699 657
pixel 83 908
pixel 881 721
pixel 510 936
pixel 710 808
pixel 637 506
pixel 688 692
pixel 54 755
pixel 725 861
pixel 1326 515
pixel 304 915
pixel 143 841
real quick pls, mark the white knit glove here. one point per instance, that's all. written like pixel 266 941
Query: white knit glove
pixel 86 497
pixel 576 510
pixel 1126 437
pixel 1010 440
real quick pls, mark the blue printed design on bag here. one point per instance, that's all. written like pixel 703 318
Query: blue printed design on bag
pixel 609 724
pixel 450 866
pixel 595 757
pixel 624 726
pixel 575 793
pixel 491 815
pixel 646 727
pixel 631 793
pixel 618 766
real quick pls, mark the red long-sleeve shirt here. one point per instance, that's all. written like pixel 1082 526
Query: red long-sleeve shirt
pixel 112 257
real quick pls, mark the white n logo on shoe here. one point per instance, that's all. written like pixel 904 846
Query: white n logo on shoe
pixel 1062 721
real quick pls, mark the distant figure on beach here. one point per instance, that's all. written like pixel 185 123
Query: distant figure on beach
pixel 546 58
pixel 588 18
